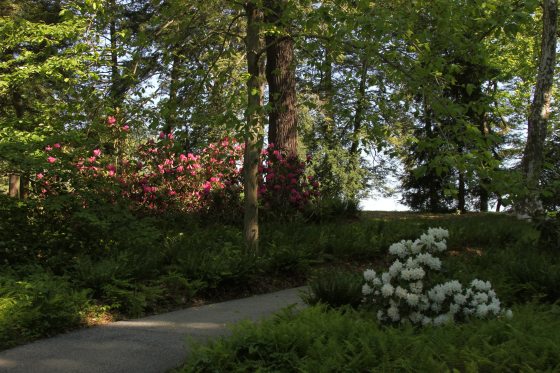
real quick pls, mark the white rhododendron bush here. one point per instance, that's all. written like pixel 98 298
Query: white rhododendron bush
pixel 406 291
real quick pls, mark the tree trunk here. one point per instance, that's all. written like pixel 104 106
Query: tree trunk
pixel 326 94
pixel 115 76
pixel 360 109
pixel 254 127
pixel 533 155
pixel 280 74
pixel 172 105
pixel 14 186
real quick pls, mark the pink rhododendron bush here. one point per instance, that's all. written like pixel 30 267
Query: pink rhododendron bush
pixel 284 184
pixel 158 175
pixel 406 292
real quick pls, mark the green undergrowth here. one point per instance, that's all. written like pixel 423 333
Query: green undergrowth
pixel 54 277
pixel 324 340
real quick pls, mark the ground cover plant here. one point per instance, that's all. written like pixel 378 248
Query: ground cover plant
pixel 336 334
pixel 124 266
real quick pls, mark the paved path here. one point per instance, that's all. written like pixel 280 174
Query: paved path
pixel 152 344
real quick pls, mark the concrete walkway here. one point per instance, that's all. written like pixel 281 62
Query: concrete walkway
pixel 152 344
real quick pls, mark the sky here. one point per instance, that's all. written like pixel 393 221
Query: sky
pixel 378 203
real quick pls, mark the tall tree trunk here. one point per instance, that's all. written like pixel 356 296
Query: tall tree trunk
pixel 17 182
pixel 172 105
pixel 360 109
pixel 533 155
pixel 280 74
pixel 115 76
pixel 254 127
pixel 326 94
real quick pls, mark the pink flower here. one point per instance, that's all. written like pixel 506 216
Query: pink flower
pixel 162 135
pixel 51 159
pixel 125 128
pixel 96 152
pixel 172 192
pixel 48 148
pixel 40 176
pixel 214 179
pixel 161 168
pixel 57 145
pixel 270 176
pixel 91 159
pixel 180 169
pixel 207 186
pixel 111 120
pixel 170 136
pixel 111 167
pixel 183 158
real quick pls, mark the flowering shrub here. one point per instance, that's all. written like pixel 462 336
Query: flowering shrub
pixel 401 294
pixel 284 184
pixel 157 176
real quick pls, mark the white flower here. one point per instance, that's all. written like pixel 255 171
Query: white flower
pixel 398 249
pixel 509 314
pixel 429 260
pixel 387 290
pixel 426 320
pixel 481 285
pixel 453 286
pixel 412 299
pixel 460 299
pixel 440 246
pixel 386 277
pixel 369 275
pixel 367 290
pixel 400 292
pixel 442 319
pixel 416 287
pixel 380 315
pixel 416 246
pixel 395 268
pixel 454 308
pixel 393 313
pixel 376 281
pixel 481 310
pixel 411 263
pixel 438 233
pixel 480 298
pixel 413 274
pixel 416 317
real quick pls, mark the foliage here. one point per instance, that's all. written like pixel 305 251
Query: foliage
pixel 284 185
pixel 37 305
pixel 319 340
pixel 334 288
pixel 407 292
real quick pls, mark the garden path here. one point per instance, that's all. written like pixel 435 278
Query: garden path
pixel 151 344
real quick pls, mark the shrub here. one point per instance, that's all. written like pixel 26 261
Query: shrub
pixel 335 288
pixel 400 294
pixel 38 305
pixel 319 340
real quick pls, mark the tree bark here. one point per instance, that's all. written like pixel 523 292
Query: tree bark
pixel 280 74
pixel 360 109
pixel 115 76
pixel 533 155
pixel 254 127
